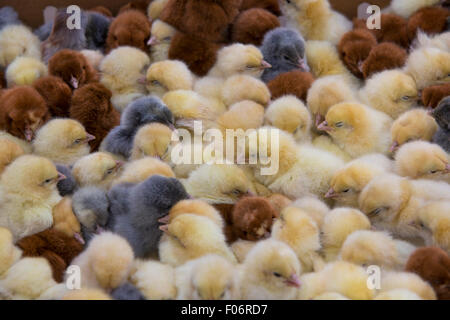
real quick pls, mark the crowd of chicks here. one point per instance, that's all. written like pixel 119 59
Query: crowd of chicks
pixel 363 118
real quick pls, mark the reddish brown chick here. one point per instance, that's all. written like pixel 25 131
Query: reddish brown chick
pixel 140 5
pixel 393 29
pixel 251 26
pixel 431 20
pixel 384 56
pixel 431 96
pixel 293 82
pixel 269 5
pixel 56 93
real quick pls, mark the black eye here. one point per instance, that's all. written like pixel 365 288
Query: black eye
pixel 155 83
pixel 433 171
pixel 78 141
pixel 285 57
pixel 276 274
pixel 376 211
pixel 346 190
pixel 422 225
pixel 48 181
pixel 167 38
pixel 339 124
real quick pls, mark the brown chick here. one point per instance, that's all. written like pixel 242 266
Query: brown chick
pixel 252 218
pixel 430 20
pixel 56 93
pixel 431 96
pixel 22 112
pixel 72 67
pixel 432 264
pixel 199 55
pixel 91 106
pixel 103 10
pixel 206 20
pixel 384 56
pixel 140 5
pixel 294 82
pixel 269 5
pixel 355 47
pixel 130 28
pixel 65 221
pixel 9 151
pixel 251 26
pixel 393 29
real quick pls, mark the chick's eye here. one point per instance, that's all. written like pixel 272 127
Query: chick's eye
pixel 110 171
pixel 433 171
pixel 167 39
pixel 406 98
pixel 236 192
pixel 276 274
pixel 47 181
pixel 376 211
pixel 250 67
pixel 78 141
pixel 346 190
pixel 339 124
pixel 156 83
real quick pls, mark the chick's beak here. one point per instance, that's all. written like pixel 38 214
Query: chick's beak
pixel 74 82
pixel 303 65
pixel 324 127
pixel 152 41
pixel 265 65
pixel 142 80
pixel 394 146
pixel 79 238
pixel 293 281
pixel 119 164
pixel 28 134
pixel 60 177
pixel 164 228
pixel 89 137
pixel 447 168
pixel 164 220
pixel 331 194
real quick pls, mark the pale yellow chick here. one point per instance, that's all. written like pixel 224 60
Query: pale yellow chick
pixel 18 40
pixel 243 115
pixel 406 8
pixel 156 281
pixel 168 75
pixel 408 281
pixel 155 8
pixel 9 253
pixel 161 37
pixel 314 207
pixel 24 71
pixel 140 170
pixel 151 140
pixel 197 207
pixel 244 87
pixel 9 151
pixel 398 294
pixel 434 224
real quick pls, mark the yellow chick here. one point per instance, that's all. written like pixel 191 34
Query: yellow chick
pixel 398 294
pixel 25 145
pixel 428 66
pixel 24 71
pixel 316 20
pixel 241 248
pixel 297 229
pixel 65 220
pixel 239 59
pixel 197 207
pixel 98 169
pixel 325 143
pixel 151 140
pixel 9 151
pixel 409 281
pixel 290 114
pixel 315 208
pixel 344 278
pixel 406 8
pixel 440 40
pixel 168 75
pixel 244 87
pixel 366 248
pixel 9 253
pixel 86 294
pixel 392 92
pixel 28 194
pixel 159 42
pixel 416 124
pixel 271 271
pixel 140 170
pixel 349 181
pixel 208 278
pixel 123 72
pixel 423 160
pixel 218 184
pixel 106 263
pixel 243 115
pixel 210 87
pixel 63 141
pixel 434 224
pixel 338 224
pixel 156 281
pixel 358 129
pixel 192 236
pixel 396 208
pixel 155 8
pixel 18 40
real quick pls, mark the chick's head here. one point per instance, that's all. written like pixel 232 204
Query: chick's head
pixel 9 151
pixel 167 76
pixel 161 33
pixel 152 140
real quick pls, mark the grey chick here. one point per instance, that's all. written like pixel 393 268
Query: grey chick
pixel 97 31
pixel 118 198
pixel 148 202
pixel 284 49
pixel 8 16
pixel 140 112
pixel 127 291
pixel 69 185
pixel 442 116
pixel 90 206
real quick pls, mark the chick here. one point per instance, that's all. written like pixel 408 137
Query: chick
pixel 251 25
pixel 433 224
pixel 18 41
pixel 295 83
pixel 431 96
pixel 94 57
pixel 270 271
pixel 316 20
pixel 297 229
pixel 243 115
pixel 385 56
pixel 139 170
pixel 239 59
pixel 422 160
pixel 106 263
pixel 441 114
pixel 337 226
pixel 207 278
pixel 125 85
pixel 432 265
pixel 168 75
pixel 8 16
pixel 197 207
pixel 358 129
pixel 315 208
pixel 130 28
pixel 409 281
pixel 96 32
pixel 29 193
pixel 156 281
pixel 428 66
pixel 431 20
pixel 406 8
pixel 151 140
pixel 9 151
pixel 86 294
pixel 191 236
pixel 161 37
pixel 142 111
pixel 398 294
pixel 67 186
pixel 63 141
pixel 354 48
pixel 22 112
pixel 326 92
pixel 9 253
pixel 155 8
pixel 91 106
pixel 140 5
pixel 97 169
pixel 148 202
pixel 243 87
pixel 416 124
pixel 72 67
pixel 270 5
pixel 56 93
pixel 24 71
pixel 279 202
pixel 291 115
pixel 127 291
pixel 349 181
pixel 393 29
